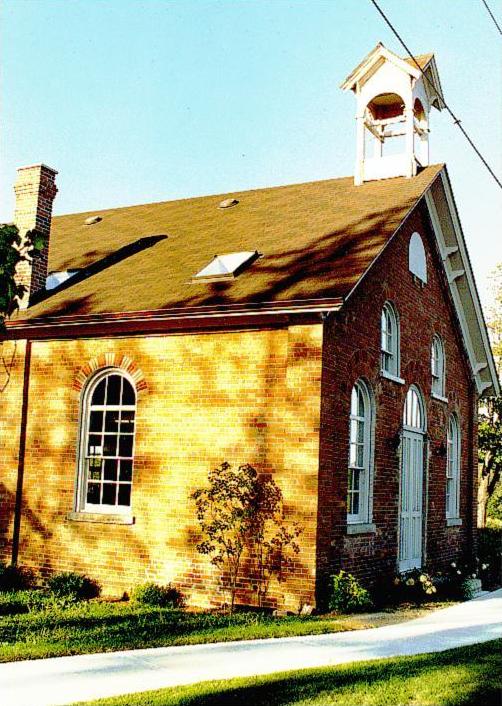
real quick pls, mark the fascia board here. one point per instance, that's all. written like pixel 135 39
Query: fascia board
pixel 378 52
pixel 467 333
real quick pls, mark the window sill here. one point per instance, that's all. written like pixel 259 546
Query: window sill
pixel 361 528
pixel 439 398
pixel 101 518
pixel 453 521
pixel 393 378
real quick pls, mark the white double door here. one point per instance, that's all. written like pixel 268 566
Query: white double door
pixel 412 488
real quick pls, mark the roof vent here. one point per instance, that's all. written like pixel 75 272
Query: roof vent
pixel 228 203
pixel 92 220
pixel 226 266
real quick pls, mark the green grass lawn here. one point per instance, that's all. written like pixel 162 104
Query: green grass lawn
pixel 468 676
pixel 99 626
pixel 103 627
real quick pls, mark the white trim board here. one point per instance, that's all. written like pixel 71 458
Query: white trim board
pixel 462 288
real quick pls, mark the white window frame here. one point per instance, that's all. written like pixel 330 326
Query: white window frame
pixel 438 367
pixel 81 504
pixel 389 341
pixel 365 469
pixel 452 488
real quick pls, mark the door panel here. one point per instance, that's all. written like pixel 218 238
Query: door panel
pixel 411 517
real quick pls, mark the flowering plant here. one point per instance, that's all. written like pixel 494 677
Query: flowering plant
pixel 415 585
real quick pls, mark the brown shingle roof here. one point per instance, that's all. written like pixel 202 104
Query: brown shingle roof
pixel 317 240
pixel 422 60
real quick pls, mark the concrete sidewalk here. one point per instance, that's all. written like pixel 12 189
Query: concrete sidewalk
pixel 64 680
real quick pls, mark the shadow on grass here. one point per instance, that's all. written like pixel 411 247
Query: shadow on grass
pixel 464 677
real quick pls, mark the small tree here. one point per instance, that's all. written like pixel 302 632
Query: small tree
pixel 241 510
pixel 224 513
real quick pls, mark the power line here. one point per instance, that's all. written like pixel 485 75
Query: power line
pixel 456 121
pixel 492 16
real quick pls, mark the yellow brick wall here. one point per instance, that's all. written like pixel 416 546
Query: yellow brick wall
pixel 245 397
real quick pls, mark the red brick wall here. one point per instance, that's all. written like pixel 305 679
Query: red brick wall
pixel 352 350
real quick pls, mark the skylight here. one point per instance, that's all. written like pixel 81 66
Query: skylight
pixel 226 266
pixel 54 279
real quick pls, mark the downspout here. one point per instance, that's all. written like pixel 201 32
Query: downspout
pixel 22 452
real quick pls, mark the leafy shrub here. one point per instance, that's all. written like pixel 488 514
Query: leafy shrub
pixel 490 556
pixel 494 506
pixel 348 596
pixel 15 578
pixel 25 601
pixel 154 595
pixel 71 586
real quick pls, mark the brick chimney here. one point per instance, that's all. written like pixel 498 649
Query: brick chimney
pixel 35 190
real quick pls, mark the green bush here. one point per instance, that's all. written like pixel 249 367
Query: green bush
pixel 348 596
pixel 25 601
pixel 71 586
pixel 154 595
pixel 15 578
pixel 490 556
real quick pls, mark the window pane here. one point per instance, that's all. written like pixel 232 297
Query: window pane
pixel 95 445
pixel 110 469
pixel 110 445
pixel 109 493
pixel 94 469
pixel 98 396
pixel 93 490
pixel 124 495
pixel 128 394
pixel 96 421
pixel 125 446
pixel 112 421
pixel 353 402
pixel 360 455
pixel 127 421
pixel 126 470
pixel 113 392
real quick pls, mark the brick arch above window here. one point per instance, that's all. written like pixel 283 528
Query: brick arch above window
pixel 110 360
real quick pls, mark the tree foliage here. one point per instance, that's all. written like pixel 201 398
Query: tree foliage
pixel 490 413
pixel 14 250
pixel 242 512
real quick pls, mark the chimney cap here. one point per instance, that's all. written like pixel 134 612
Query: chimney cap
pixel 40 165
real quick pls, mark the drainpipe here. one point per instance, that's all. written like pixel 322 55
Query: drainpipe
pixel 22 453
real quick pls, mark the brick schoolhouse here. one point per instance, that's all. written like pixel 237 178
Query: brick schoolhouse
pixel 335 340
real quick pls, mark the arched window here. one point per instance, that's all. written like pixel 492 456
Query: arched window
pixel 389 340
pixel 438 366
pixel 360 454
pixel 416 258
pixel 107 443
pixel 413 413
pixel 452 468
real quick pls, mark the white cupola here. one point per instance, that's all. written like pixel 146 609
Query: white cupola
pixel 394 99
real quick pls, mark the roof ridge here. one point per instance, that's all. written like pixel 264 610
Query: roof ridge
pixel 219 195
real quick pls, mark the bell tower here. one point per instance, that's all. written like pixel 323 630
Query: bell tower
pixel 393 102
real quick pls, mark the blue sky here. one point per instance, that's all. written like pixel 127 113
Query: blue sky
pixel 138 101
